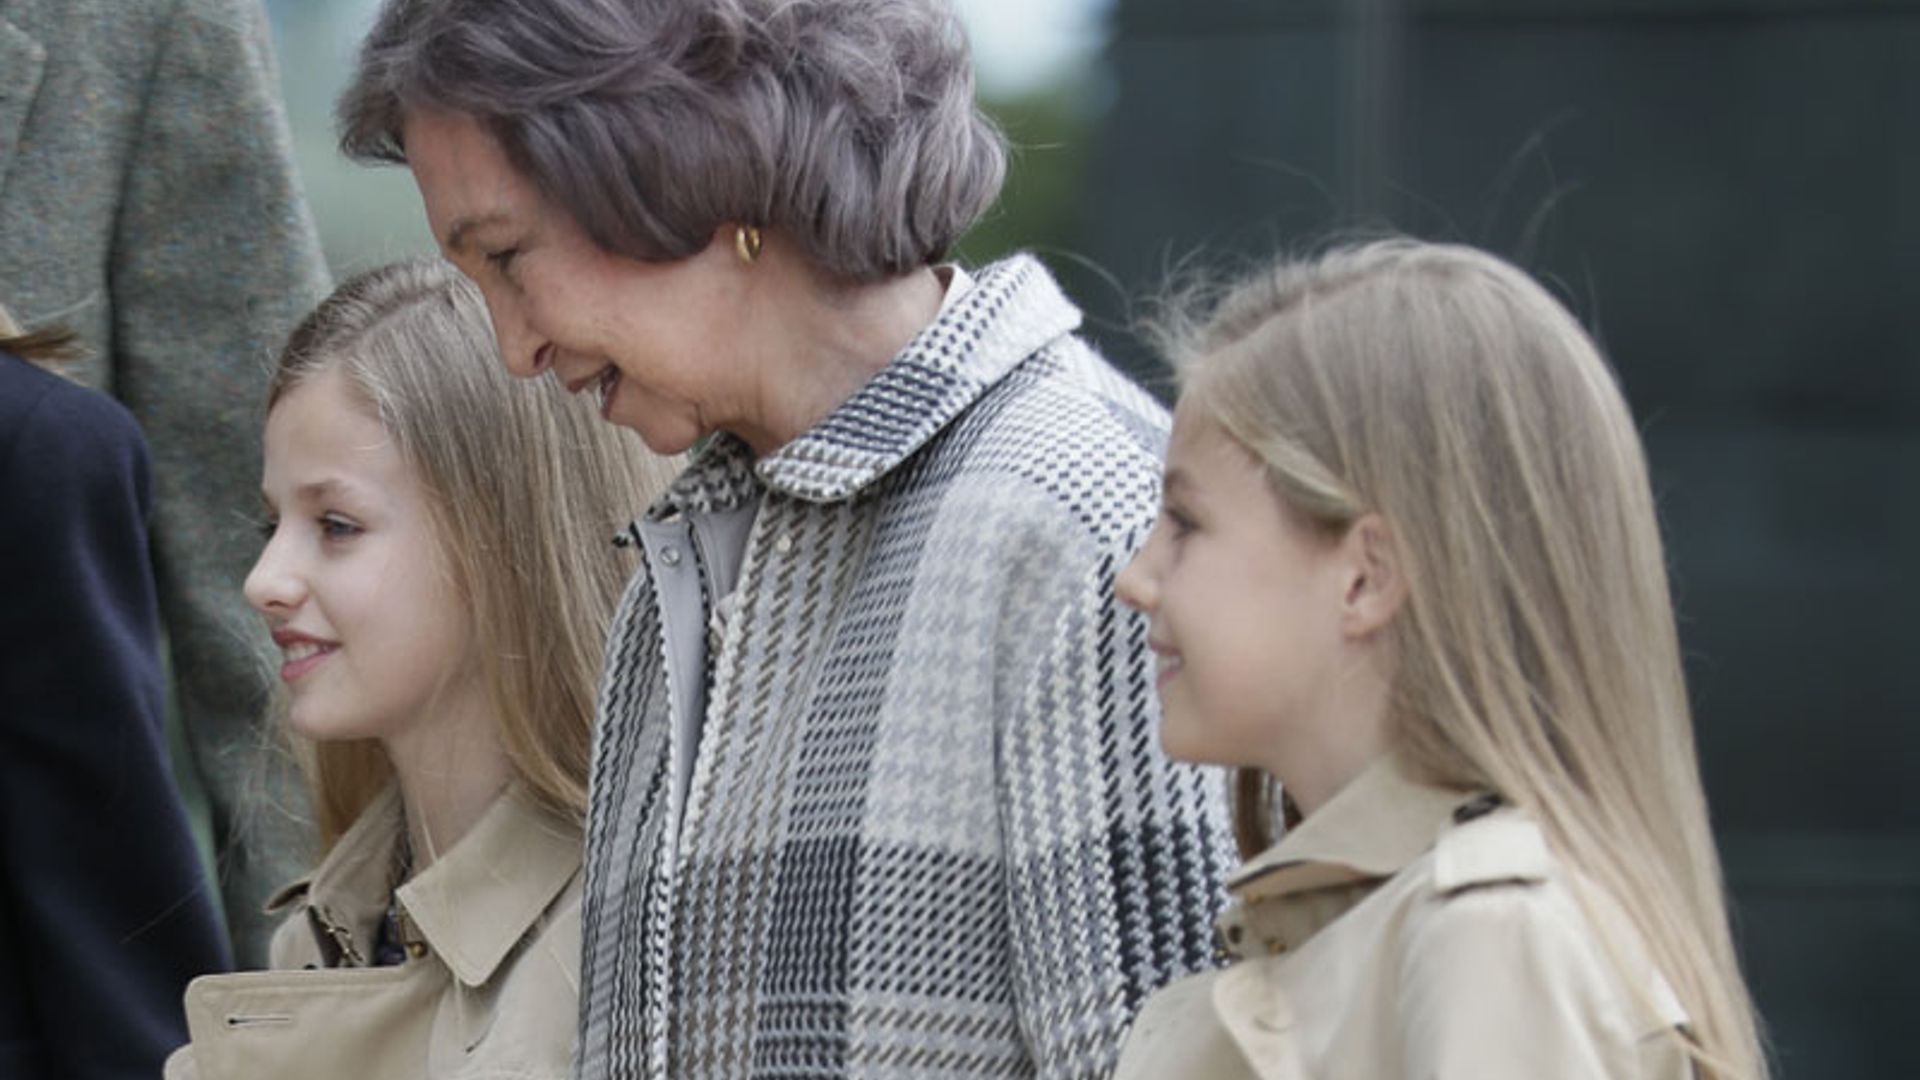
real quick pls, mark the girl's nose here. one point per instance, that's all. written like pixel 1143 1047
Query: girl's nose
pixel 271 585
pixel 1134 586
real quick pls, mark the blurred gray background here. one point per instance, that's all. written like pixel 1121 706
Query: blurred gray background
pixel 1726 191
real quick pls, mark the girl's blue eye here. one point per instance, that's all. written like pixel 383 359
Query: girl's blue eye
pixel 334 527
pixel 1182 524
pixel 266 526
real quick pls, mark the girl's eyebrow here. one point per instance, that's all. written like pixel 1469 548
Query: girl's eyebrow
pixel 325 489
pixel 318 489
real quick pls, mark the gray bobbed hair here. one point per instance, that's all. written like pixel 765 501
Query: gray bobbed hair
pixel 848 125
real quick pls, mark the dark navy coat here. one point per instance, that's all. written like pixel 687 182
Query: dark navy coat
pixel 104 912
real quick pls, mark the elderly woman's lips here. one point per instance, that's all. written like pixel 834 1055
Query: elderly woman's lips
pixel 574 386
pixel 609 382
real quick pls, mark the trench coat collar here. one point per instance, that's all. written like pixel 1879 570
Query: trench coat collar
pixel 479 900
pixel 472 905
pixel 346 895
pixel 1371 829
pixel 994 319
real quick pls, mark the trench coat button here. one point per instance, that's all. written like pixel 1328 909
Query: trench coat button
pixel 1477 807
pixel 416 949
pixel 670 556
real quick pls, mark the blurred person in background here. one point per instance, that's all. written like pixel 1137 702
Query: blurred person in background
pixel 148 200
pixel 876 790
pixel 104 909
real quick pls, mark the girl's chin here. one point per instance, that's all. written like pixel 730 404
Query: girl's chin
pixel 1196 744
pixel 1179 744
pixel 317 727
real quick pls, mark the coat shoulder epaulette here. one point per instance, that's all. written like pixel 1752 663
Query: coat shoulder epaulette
pixel 1488 844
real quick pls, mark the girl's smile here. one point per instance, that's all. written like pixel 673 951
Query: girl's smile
pixel 302 653
pixel 1166 664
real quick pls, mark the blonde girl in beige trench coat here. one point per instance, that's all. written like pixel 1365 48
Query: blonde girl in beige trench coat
pixel 1407 566
pixel 438 574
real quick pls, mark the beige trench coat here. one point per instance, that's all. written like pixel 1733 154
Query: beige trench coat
pixel 490 989
pixel 1408 932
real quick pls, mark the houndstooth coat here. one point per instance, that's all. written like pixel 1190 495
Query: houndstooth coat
pixel 896 807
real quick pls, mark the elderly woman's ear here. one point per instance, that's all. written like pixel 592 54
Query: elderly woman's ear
pixel 747 240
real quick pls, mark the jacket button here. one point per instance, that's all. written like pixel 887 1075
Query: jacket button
pixel 1477 807
pixel 416 949
pixel 783 545
pixel 670 556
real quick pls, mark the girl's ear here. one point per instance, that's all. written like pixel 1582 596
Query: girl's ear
pixel 1376 586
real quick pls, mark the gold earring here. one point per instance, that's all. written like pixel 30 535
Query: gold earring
pixel 746 242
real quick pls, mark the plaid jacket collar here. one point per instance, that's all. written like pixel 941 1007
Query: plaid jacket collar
pixel 1012 310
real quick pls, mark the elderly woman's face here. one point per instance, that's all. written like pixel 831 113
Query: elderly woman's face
pixel 649 338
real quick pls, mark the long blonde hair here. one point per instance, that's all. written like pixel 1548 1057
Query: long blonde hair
pixel 527 487
pixel 1537 654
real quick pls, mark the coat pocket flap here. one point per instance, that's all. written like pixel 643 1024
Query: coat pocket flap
pixel 363 1023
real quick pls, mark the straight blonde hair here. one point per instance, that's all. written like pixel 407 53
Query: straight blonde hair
pixel 1537 654
pixel 527 487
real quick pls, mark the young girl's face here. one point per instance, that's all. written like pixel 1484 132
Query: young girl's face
pixel 373 638
pixel 1250 618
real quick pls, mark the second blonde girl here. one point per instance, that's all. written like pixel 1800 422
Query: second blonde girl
pixel 1473 690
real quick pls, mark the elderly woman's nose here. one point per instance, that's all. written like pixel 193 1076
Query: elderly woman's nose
pixel 525 353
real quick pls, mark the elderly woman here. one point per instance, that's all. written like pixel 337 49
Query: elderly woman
pixel 875 788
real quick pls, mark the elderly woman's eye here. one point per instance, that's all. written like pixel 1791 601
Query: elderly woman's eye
pixel 503 259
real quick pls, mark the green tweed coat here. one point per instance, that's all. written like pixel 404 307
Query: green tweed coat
pixel 148 199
